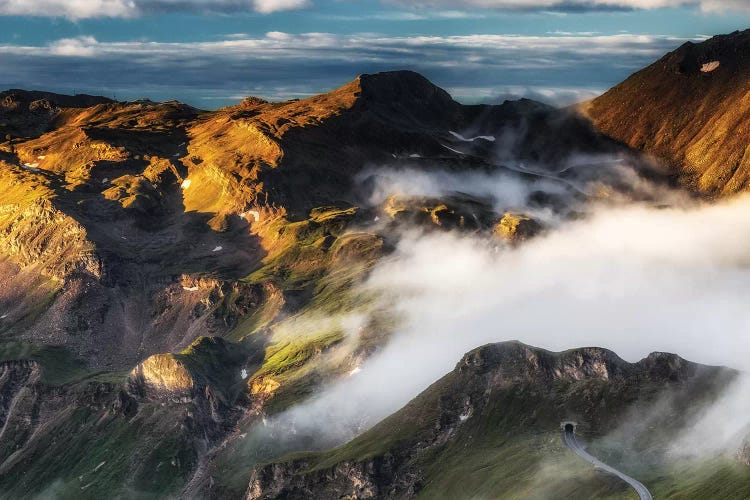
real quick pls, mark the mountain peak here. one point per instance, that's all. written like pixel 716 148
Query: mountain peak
pixel 402 86
pixel 721 52
pixel 408 96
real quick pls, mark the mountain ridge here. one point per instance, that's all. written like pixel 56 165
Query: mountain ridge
pixel 495 392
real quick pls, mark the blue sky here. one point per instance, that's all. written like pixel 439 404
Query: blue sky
pixel 211 53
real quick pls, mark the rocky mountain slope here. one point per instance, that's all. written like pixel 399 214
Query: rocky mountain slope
pixel 689 108
pixel 161 223
pixel 490 429
pixel 166 269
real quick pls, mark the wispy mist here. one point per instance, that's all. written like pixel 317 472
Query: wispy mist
pixel 629 276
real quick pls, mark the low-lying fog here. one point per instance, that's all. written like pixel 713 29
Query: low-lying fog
pixel 629 276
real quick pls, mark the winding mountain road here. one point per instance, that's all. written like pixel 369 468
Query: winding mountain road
pixel 570 441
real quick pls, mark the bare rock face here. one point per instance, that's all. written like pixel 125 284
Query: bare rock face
pixel 41 235
pixel 162 375
pixel 357 480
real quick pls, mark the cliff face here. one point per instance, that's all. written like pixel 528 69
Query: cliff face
pixel 498 397
pixel 690 108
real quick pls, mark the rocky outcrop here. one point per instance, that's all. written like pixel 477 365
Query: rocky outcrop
pixel 517 227
pixel 454 211
pixel 163 376
pixel 381 477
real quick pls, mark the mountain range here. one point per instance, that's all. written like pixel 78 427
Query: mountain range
pixel 175 280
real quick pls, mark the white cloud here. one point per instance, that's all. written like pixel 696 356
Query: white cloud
pixel 73 9
pixel 577 5
pixel 84 46
pixel 268 6
pixel 285 45
pixel 84 9
pixel 513 51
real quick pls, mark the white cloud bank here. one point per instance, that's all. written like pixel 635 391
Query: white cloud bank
pixel 85 9
pixel 277 44
pixel 632 278
pixel 580 5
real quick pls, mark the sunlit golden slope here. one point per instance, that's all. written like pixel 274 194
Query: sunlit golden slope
pixel 692 109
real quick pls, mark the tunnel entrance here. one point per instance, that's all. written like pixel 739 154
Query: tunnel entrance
pixel 568 426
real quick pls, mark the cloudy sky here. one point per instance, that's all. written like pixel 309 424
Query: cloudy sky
pixel 211 53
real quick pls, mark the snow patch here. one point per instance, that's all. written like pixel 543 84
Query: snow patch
pixel 41 157
pixel 415 155
pixel 191 288
pixel 355 371
pixel 34 167
pixel 218 249
pixel 186 183
pixel 3 316
pixel 99 466
pixel 490 138
pixel 243 374
pixel 105 180
pixel 710 66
